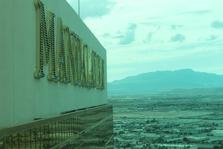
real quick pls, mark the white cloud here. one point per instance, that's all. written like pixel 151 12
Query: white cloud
pixel 92 8
pixel 149 46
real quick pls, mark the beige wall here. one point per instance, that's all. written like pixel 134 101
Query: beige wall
pixel 22 98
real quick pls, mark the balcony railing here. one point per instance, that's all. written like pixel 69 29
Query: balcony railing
pixel 85 128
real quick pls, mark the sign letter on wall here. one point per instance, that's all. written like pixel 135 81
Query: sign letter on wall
pixel 67 57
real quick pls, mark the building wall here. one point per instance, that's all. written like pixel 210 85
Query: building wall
pixel 23 98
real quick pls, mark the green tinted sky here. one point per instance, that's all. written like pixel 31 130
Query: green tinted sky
pixel 149 35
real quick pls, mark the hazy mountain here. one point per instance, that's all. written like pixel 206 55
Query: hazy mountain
pixel 160 81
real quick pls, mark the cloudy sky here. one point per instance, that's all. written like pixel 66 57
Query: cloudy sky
pixel 149 35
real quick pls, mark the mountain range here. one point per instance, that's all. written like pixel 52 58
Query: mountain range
pixel 163 81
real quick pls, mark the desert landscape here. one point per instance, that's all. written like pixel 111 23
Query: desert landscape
pixel 168 121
